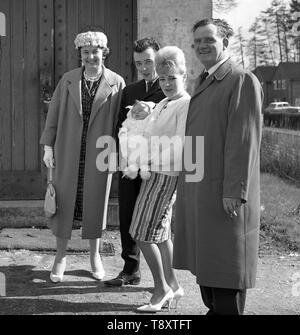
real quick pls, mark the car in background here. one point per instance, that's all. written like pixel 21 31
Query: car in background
pixel 282 106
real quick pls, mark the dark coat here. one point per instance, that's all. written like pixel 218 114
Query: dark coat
pixel 63 130
pixel 220 251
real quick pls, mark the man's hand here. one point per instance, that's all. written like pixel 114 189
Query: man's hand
pixel 231 206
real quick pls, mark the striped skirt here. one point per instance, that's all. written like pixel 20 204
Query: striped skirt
pixel 151 220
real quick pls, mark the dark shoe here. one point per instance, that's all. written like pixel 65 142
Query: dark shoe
pixel 125 279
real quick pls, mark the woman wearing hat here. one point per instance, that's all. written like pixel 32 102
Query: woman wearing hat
pixel 83 110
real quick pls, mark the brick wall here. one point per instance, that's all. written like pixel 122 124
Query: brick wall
pixel 170 22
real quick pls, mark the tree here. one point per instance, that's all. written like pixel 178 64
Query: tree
pixel 295 6
pixel 238 46
pixel 273 37
pixel 257 48
pixel 224 6
pixel 273 28
pixel 295 18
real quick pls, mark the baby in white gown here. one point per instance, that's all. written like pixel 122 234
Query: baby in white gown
pixel 134 139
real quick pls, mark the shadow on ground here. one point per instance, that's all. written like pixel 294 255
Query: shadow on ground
pixel 29 291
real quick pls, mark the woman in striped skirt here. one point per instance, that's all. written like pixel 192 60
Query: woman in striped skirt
pixel 151 222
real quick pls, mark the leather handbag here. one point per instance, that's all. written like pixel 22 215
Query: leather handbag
pixel 50 197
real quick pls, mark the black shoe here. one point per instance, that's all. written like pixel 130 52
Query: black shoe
pixel 125 279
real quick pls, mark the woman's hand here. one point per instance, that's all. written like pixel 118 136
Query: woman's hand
pixel 48 157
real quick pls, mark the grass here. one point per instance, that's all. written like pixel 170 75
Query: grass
pixel 280 211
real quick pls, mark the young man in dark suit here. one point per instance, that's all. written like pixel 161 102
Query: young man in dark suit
pixel 146 89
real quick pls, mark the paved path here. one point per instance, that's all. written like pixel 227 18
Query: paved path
pixel 25 288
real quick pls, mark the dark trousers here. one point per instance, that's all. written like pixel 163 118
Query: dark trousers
pixel 128 193
pixel 223 301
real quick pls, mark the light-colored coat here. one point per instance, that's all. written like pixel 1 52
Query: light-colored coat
pixel 222 251
pixel 63 131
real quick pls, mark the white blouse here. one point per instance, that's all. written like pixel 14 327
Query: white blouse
pixel 167 132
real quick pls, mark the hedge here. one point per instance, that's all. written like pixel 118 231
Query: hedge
pixel 282 120
pixel 280 153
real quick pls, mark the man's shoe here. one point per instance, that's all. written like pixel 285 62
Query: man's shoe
pixel 125 279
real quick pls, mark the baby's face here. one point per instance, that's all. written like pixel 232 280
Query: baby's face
pixel 140 110
pixel 139 107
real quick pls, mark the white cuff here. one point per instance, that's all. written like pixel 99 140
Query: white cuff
pixel 47 148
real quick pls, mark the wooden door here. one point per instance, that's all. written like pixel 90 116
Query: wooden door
pixel 37 49
pixel 20 108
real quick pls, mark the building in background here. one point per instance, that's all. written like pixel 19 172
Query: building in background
pixel 280 83
pixel 265 76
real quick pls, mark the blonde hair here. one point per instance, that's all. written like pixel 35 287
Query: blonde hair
pixel 170 58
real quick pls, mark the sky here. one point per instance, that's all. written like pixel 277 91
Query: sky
pixel 245 13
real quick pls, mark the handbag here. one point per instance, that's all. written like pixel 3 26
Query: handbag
pixel 50 197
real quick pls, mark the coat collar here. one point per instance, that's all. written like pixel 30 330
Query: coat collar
pixel 103 91
pixel 219 75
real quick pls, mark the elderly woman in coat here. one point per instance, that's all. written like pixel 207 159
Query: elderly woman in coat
pixel 82 110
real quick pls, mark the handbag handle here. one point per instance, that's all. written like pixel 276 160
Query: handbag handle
pixel 50 175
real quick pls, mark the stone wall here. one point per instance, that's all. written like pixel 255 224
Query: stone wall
pixel 170 22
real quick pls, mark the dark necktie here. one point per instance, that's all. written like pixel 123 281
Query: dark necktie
pixel 148 85
pixel 203 76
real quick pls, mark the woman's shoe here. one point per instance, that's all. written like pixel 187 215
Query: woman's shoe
pixel 56 278
pixel 167 299
pixel 179 293
pixel 60 268
pixel 99 275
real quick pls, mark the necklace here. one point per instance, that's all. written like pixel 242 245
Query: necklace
pixel 89 82
pixel 91 78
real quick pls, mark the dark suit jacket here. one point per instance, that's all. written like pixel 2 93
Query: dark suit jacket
pixel 137 91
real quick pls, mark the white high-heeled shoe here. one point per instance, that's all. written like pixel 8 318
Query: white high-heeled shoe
pixel 178 294
pixel 99 275
pixel 56 278
pixel 150 308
